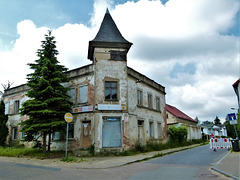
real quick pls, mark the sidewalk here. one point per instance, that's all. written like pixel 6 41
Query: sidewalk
pixel 228 165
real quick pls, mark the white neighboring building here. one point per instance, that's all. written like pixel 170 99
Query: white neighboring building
pixel 208 128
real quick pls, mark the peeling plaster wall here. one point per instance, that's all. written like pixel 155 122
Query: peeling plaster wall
pixel 15 94
pixel 142 112
pixel 94 76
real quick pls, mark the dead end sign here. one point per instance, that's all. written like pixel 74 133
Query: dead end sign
pixel 68 117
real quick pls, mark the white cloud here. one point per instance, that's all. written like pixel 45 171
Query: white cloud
pixel 179 32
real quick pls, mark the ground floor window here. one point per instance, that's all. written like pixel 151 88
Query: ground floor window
pixel 23 135
pixel 151 129
pixel 15 131
pixel 159 130
pixel 71 131
pixel 56 136
pixel 111 132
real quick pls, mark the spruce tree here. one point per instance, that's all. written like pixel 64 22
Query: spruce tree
pixel 3 126
pixel 217 121
pixel 48 100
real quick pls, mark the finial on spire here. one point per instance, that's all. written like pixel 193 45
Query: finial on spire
pixel 107 12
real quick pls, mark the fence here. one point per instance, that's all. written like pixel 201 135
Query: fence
pixel 220 143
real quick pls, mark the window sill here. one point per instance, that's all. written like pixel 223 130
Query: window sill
pixel 151 109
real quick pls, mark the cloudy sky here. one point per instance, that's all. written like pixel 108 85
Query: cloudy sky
pixel 189 46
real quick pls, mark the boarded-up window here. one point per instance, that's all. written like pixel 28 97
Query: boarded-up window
pixel 6 108
pixel 72 94
pixel 83 97
pixel 118 55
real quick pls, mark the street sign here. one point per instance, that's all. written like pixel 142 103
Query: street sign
pixel 68 117
pixel 232 118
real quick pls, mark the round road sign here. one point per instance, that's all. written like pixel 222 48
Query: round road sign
pixel 68 117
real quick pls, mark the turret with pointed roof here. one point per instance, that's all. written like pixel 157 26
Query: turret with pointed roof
pixel 108 36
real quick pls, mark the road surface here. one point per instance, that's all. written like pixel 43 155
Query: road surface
pixel 190 164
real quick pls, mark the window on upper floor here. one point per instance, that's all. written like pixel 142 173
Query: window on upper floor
pixel 72 93
pixel 6 108
pixel 139 97
pixel 118 55
pixel 83 94
pixel 16 106
pixel 111 90
pixel 157 103
pixel 150 101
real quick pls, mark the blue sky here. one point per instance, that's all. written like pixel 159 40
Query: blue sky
pixel 189 46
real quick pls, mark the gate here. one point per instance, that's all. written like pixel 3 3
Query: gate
pixel 111 132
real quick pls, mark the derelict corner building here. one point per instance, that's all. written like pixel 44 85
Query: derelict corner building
pixel 114 106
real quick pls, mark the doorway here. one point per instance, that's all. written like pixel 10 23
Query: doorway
pixel 86 126
pixel 141 132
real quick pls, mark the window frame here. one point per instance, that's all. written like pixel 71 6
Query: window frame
pixel 71 131
pixel 14 133
pixel 158 105
pixel 16 106
pixel 72 99
pixel 23 135
pixel 159 128
pixel 151 129
pixel 7 105
pixel 56 136
pixel 150 101
pixel 111 89
pixel 139 94
pixel 84 98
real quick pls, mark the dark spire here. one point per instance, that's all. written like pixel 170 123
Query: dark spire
pixel 108 36
pixel 107 12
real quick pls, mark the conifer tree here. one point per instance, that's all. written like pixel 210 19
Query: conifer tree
pixel 3 126
pixel 48 100
pixel 217 121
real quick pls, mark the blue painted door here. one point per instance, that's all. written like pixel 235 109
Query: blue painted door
pixel 112 134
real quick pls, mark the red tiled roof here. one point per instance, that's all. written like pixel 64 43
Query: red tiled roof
pixel 176 112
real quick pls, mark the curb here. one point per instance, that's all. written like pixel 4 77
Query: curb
pixel 222 172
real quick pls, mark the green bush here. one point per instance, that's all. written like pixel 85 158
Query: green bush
pixel 177 134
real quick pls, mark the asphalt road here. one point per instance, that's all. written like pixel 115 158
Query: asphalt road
pixel 190 164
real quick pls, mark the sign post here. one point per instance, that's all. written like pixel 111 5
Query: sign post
pixel 233 120
pixel 68 118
